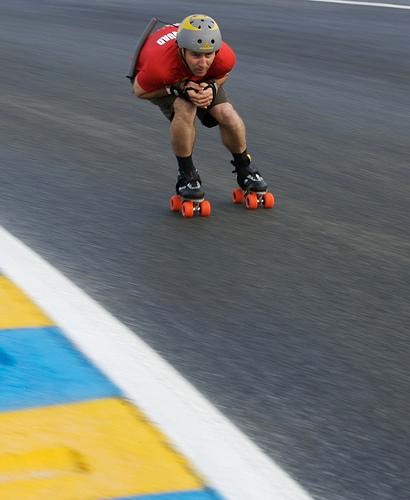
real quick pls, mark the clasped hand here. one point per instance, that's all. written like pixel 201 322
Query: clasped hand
pixel 199 95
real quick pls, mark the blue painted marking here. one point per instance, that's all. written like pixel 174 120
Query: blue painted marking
pixel 40 367
pixel 5 359
pixel 206 494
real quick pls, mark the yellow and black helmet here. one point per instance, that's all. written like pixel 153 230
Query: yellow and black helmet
pixel 199 33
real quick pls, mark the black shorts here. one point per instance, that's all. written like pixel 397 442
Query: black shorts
pixel 166 105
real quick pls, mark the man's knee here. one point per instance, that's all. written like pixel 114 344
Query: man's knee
pixel 184 110
pixel 226 115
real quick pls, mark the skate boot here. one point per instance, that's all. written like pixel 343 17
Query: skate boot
pixel 248 178
pixel 189 185
pixel 252 187
pixel 189 197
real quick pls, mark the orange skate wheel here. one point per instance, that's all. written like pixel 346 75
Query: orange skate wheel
pixel 237 195
pixel 251 201
pixel 205 209
pixel 175 203
pixel 268 200
pixel 187 209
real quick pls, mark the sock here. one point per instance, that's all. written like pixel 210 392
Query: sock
pixel 241 158
pixel 185 163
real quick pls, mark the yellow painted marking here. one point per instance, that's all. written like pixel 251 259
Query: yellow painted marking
pixel 17 310
pixel 97 449
pixel 46 462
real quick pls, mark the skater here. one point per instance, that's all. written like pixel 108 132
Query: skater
pixel 182 69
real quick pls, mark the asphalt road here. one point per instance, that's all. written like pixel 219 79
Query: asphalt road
pixel 294 322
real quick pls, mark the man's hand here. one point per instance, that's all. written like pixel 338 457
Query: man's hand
pixel 198 94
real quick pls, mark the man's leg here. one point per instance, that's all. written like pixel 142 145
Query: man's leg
pixel 233 135
pixel 231 126
pixel 182 134
pixel 182 128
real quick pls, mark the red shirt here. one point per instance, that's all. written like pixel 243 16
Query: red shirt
pixel 160 64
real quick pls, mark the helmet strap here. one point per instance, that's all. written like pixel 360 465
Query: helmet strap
pixel 182 54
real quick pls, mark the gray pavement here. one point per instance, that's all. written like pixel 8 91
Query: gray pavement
pixel 294 322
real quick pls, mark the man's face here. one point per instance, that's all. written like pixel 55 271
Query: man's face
pixel 199 63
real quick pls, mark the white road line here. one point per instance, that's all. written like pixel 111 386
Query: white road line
pixel 225 457
pixel 366 4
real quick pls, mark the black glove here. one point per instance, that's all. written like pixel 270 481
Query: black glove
pixel 214 86
pixel 176 91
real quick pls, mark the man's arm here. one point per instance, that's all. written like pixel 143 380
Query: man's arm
pixel 143 94
pixel 161 92
pixel 221 81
